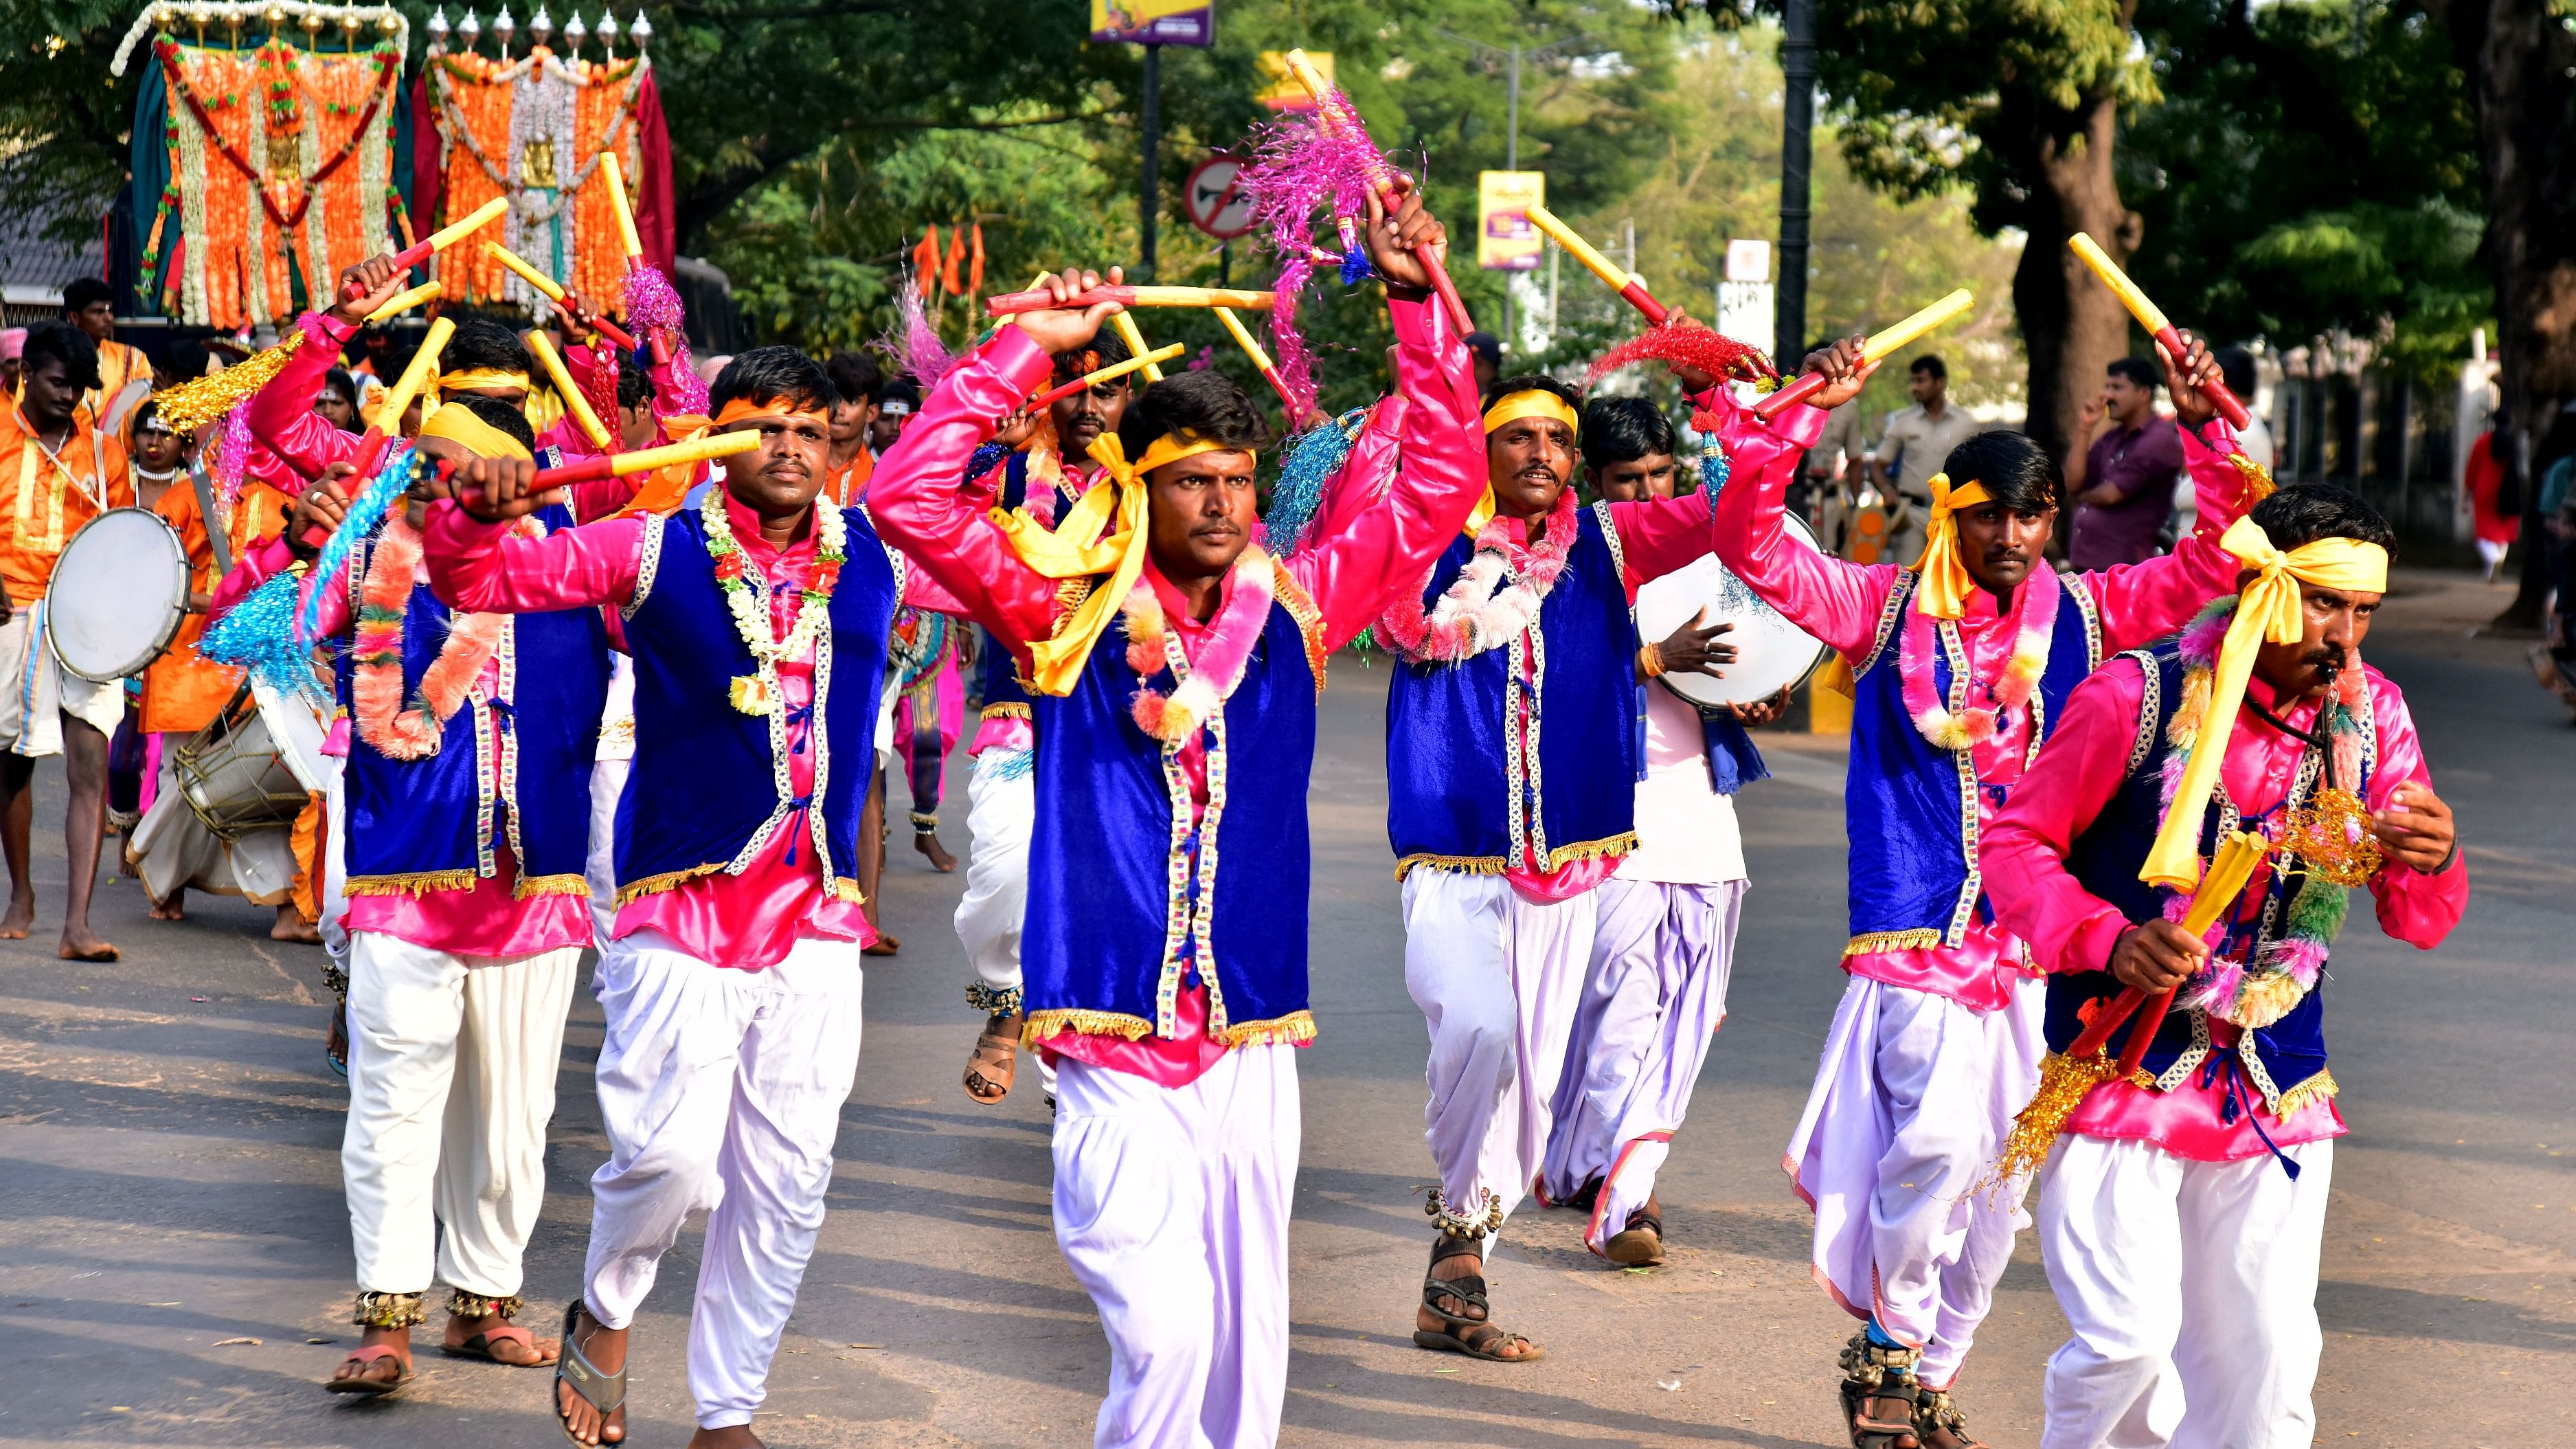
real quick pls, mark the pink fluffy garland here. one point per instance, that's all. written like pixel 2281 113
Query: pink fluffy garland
pixel 2034 627
pixel 1222 658
pixel 1469 617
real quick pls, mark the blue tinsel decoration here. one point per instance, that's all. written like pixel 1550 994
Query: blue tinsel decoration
pixel 259 634
pixel 1355 267
pixel 1313 457
pixel 365 512
pixel 983 458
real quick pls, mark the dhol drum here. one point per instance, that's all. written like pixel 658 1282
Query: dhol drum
pixel 250 770
pixel 1771 654
pixel 119 590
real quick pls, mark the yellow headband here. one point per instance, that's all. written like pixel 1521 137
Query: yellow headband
pixel 1530 404
pixel 481 379
pixel 458 425
pixel 2267 608
pixel 1103 533
pixel 1946 584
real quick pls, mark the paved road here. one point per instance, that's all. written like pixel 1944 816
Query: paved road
pixel 173 1250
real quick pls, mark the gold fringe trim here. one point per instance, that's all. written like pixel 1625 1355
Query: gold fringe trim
pixel 1300 605
pixel 550 885
pixel 419 883
pixel 1008 709
pixel 846 889
pixel 1044 1024
pixel 654 885
pixel 1920 939
pixel 2314 1090
pixel 1289 1030
pixel 1619 844
pixel 2063 1083
pixel 192 404
pixel 1470 864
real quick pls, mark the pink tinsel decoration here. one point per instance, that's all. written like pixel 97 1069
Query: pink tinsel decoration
pixel 234 456
pixel 2200 638
pixel 1299 168
pixel 2303 959
pixel 1680 346
pixel 2214 988
pixel 651 301
pixel 914 346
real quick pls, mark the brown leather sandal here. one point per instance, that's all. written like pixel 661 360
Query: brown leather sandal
pixel 995 1063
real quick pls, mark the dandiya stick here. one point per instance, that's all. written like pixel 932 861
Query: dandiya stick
pixel 554 293
pixel 449 235
pixel 1134 337
pixel 1381 180
pixel 615 177
pixel 402 302
pixel 1594 262
pixel 1142 361
pixel 389 413
pixel 642 460
pixel 1880 344
pixel 574 402
pixel 1034 283
pixel 1007 303
pixel 1260 359
pixel 2152 317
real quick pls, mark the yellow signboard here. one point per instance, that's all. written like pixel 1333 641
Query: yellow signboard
pixel 1282 93
pixel 1153 22
pixel 1505 240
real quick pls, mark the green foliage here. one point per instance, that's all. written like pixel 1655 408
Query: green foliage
pixel 63 119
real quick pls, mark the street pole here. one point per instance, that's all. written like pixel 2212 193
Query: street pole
pixel 1512 162
pixel 1797 163
pixel 1149 191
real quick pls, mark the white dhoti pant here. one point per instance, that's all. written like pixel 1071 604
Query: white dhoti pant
pixel 1171 1207
pixel 1498 977
pixel 1001 812
pixel 607 783
pixel 1649 1014
pixel 1914 1093
pixel 451 1084
pixel 335 859
pixel 2191 1288
pixel 721 1090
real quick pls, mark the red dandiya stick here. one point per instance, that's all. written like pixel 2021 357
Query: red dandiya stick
pixel 447 236
pixel 553 293
pixel 1381 180
pixel 1006 304
pixel 2152 318
pixel 2228 871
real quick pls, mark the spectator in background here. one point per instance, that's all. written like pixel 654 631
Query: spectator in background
pixel 13 341
pixel 2496 529
pixel 1485 355
pixel 124 373
pixel 1831 473
pixel 895 404
pixel 2121 470
pixel 2236 368
pixel 337 401
pixel 850 462
pixel 1911 450
pixel 159 457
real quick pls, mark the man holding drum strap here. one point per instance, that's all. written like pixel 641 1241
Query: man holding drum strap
pixel 1963 662
pixel 1666 940
pixel 58 470
pixel 1521 634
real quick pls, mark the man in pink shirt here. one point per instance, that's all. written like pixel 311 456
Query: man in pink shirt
pixel 1174 667
pixel 2181 1213
pixel 1963 664
pixel 758 625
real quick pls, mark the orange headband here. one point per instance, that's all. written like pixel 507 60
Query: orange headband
pixel 743 408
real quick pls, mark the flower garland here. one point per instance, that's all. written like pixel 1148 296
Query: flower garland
pixel 1474 615
pixel 2285 968
pixel 2034 624
pixel 758 693
pixel 1177 716
pixel 398 728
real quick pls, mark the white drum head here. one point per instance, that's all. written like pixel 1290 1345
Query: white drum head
pixel 1771 654
pixel 297 725
pixel 119 590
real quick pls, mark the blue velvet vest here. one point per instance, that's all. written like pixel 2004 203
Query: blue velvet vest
pixel 1909 808
pixel 1469 786
pixel 434 823
pixel 2285 1060
pixel 1127 901
pixel 710 784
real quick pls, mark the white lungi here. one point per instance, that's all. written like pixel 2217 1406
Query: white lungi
pixel 1648 1018
pixel 1498 977
pixel 721 1090
pixel 451 1084
pixel 40 691
pixel 1171 1207
pixel 1913 1096
pixel 2191 1288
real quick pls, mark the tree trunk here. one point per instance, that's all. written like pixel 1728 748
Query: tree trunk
pixel 2071 325
pixel 2518 60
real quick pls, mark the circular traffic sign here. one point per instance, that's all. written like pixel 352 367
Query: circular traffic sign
pixel 1216 205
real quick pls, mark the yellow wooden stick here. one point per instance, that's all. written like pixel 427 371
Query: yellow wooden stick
pixel 1134 337
pixel 1112 372
pixel 714 445
pixel 404 301
pixel 2149 315
pixel 526 270
pixel 1882 343
pixel 454 232
pixel 610 172
pixel 1576 247
pixel 424 366
pixel 574 402
pixel 1243 335
pixel 2229 869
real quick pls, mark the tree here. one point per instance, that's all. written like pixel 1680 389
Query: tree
pixel 63 120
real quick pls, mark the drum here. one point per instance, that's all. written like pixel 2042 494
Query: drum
pixel 246 772
pixel 119 590
pixel 1771 653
